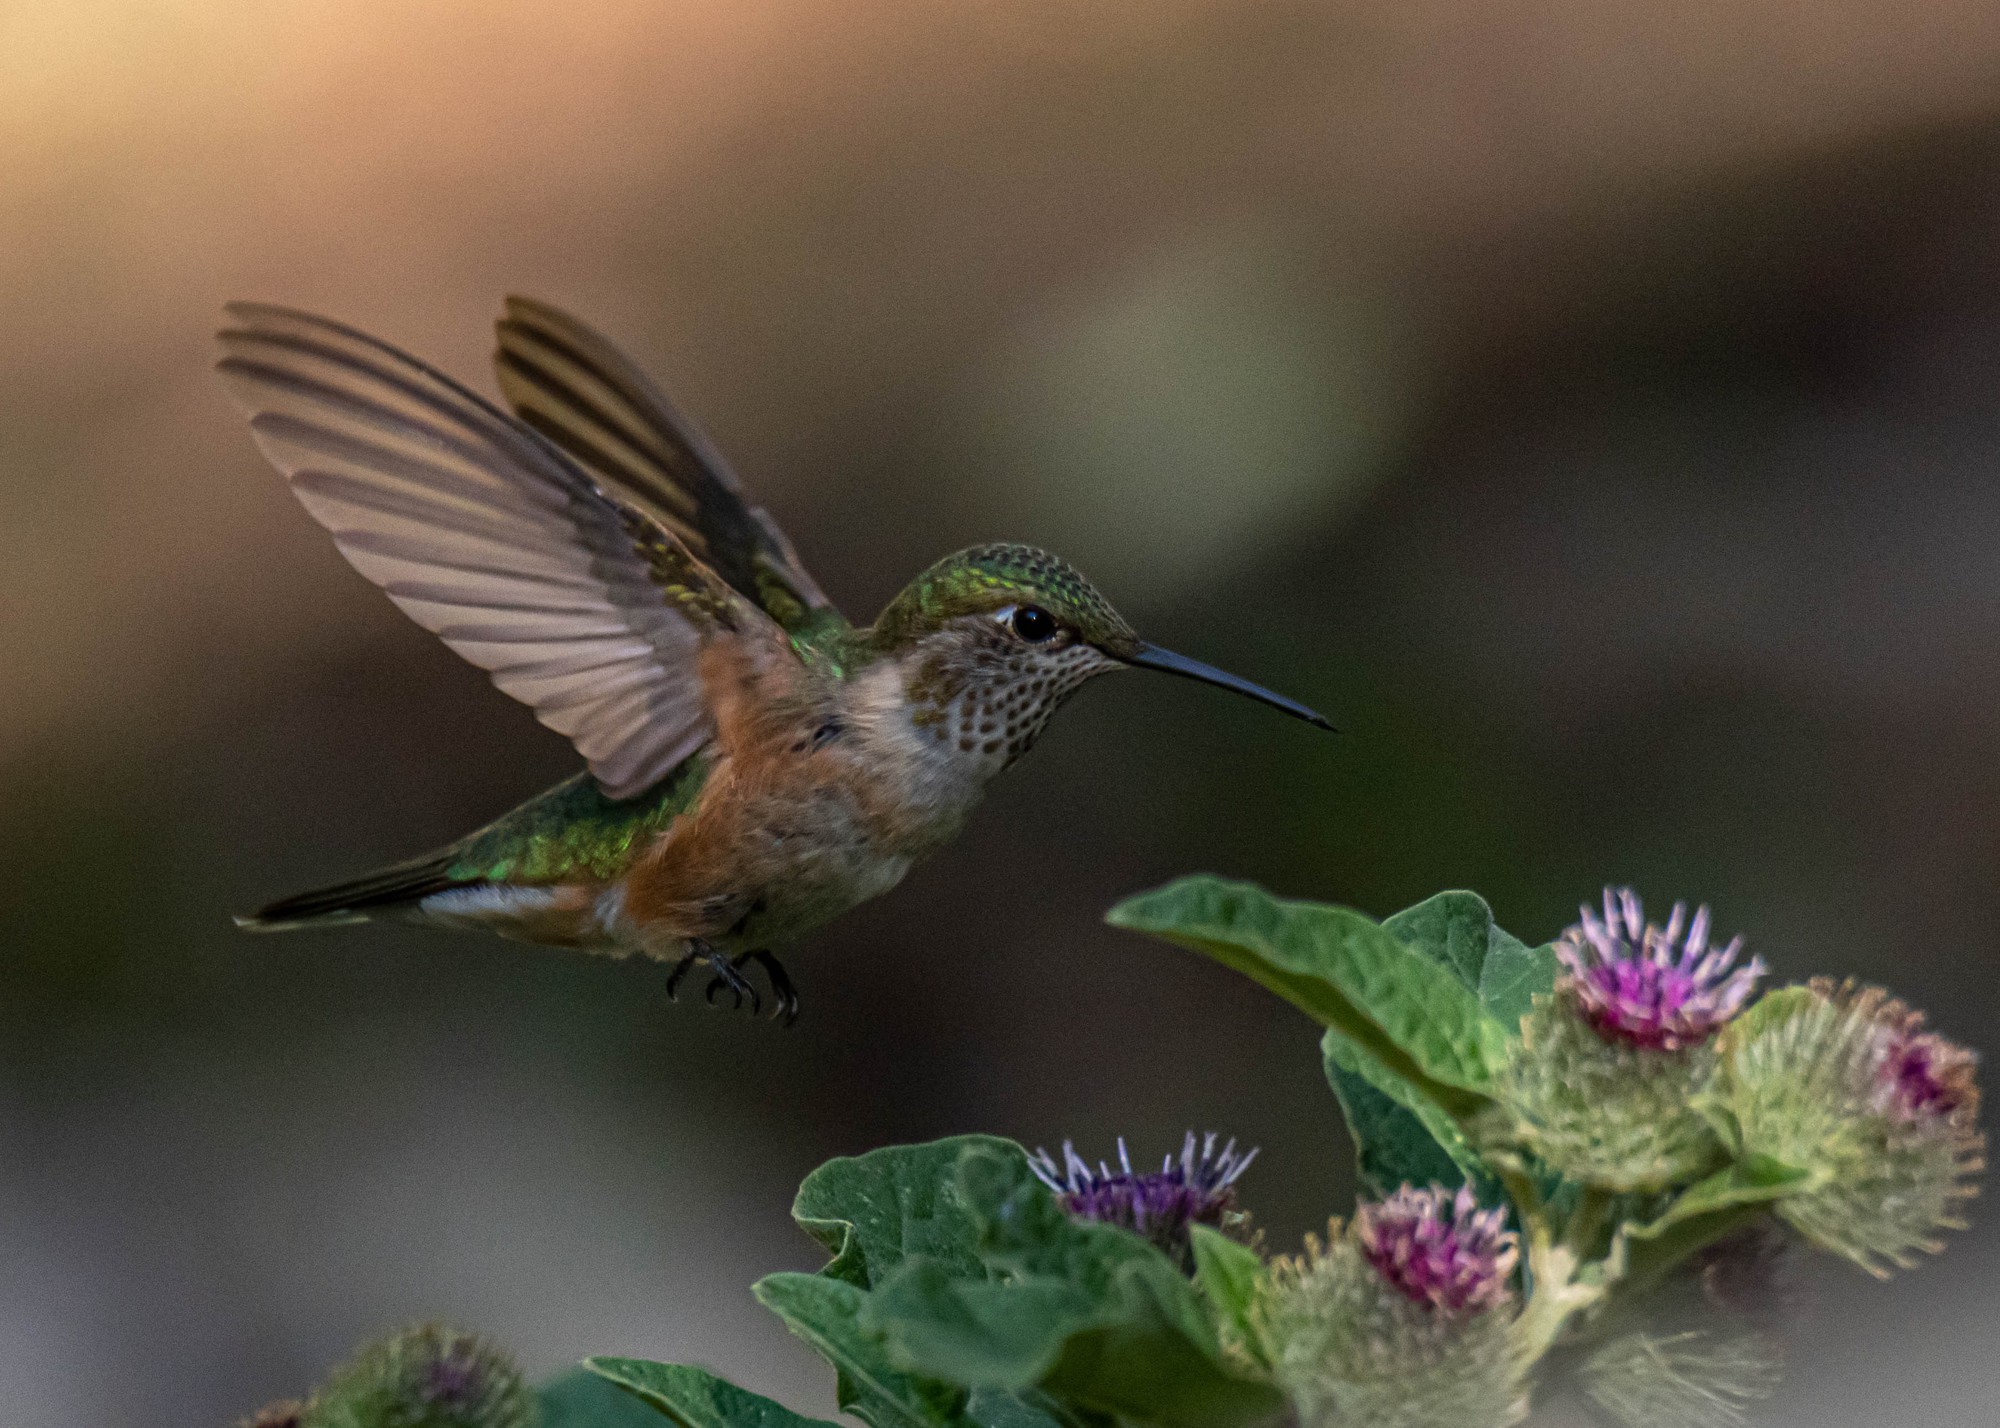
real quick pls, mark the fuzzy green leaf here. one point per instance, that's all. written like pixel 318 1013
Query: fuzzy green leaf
pixel 1706 1212
pixel 1400 1136
pixel 1413 1015
pixel 696 1398
pixel 1514 975
pixel 579 1398
pixel 992 1408
pixel 826 1313
pixel 1456 930
pixel 870 1211
pixel 1090 1314
pixel 983 1333
pixel 1137 1368
pixel 1453 929
pixel 1124 1353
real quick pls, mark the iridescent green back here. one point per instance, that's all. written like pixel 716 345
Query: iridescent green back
pixel 573 831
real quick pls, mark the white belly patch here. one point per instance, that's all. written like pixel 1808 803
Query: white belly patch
pixel 487 905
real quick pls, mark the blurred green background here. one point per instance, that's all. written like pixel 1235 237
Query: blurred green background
pixel 1595 409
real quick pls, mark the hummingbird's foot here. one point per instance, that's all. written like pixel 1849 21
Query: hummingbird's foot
pixel 782 991
pixel 727 978
pixel 692 956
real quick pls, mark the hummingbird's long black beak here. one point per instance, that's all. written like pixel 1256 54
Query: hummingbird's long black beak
pixel 1166 661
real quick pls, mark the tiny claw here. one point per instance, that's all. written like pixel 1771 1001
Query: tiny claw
pixel 784 996
pixel 727 977
pixel 674 977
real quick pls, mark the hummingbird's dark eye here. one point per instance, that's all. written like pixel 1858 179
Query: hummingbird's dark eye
pixel 1034 624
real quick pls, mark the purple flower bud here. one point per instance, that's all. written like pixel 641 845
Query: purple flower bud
pixel 456 1376
pixel 1196 1189
pixel 1639 983
pixel 1923 1075
pixel 1438 1248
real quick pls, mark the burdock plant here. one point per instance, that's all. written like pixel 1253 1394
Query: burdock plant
pixel 1548 1139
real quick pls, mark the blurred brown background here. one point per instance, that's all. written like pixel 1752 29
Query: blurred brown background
pixel 1595 408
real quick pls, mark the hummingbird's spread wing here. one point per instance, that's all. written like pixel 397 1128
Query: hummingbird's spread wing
pixel 578 390
pixel 580 606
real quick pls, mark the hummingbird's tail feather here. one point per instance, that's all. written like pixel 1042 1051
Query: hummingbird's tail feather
pixel 361 900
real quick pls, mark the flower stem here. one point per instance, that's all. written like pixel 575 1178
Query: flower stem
pixel 1554 1265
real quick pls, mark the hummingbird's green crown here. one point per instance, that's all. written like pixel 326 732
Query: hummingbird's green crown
pixel 991 577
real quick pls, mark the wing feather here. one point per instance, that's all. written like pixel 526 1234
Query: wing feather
pixel 543 573
pixel 571 385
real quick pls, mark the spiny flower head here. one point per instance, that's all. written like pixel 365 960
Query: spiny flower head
pixel 1350 1344
pixel 1640 983
pixel 1601 1111
pixel 427 1377
pixel 1438 1248
pixel 1197 1188
pixel 1687 1380
pixel 1842 1082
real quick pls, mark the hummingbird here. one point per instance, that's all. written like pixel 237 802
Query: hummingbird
pixel 756 764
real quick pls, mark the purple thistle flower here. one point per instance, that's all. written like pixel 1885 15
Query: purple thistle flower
pixel 1638 982
pixel 1195 1189
pixel 1925 1075
pixel 1918 1074
pixel 1439 1248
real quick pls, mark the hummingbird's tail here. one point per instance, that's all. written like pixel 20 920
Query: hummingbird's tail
pixel 362 900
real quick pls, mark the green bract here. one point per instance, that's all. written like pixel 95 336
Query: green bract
pixel 1601 1112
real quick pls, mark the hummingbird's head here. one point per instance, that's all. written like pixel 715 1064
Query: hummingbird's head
pixel 994 639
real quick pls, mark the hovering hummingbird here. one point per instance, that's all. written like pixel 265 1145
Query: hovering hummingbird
pixel 757 764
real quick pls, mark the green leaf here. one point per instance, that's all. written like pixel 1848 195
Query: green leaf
pixel 1090 1314
pixel 1757 1180
pixel 1513 977
pixel 826 1313
pixel 1400 1136
pixel 1124 1352
pixel 578 1398
pixel 982 1333
pixel 1136 1367
pixel 870 1211
pixel 1228 1273
pixel 1413 1015
pixel 1453 929
pixel 1704 1213
pixel 695 1398
pixel 1457 931
pixel 992 1408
